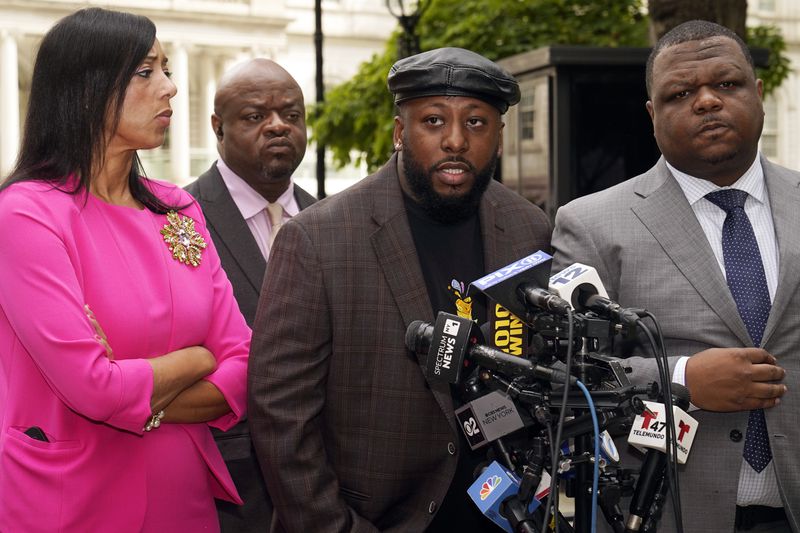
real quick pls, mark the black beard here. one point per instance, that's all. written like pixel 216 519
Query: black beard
pixel 446 209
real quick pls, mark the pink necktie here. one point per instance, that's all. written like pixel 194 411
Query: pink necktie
pixel 275 212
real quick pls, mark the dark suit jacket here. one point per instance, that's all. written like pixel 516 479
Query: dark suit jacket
pixel 349 434
pixel 244 265
pixel 241 258
pixel 650 251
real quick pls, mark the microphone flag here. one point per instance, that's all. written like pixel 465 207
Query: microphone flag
pixel 495 485
pixel 649 430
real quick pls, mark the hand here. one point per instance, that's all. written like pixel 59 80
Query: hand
pixel 176 371
pixel 99 334
pixel 734 379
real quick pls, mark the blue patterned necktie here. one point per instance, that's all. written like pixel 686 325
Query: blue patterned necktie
pixel 748 285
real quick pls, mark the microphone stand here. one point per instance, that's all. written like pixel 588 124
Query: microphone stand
pixel 583 446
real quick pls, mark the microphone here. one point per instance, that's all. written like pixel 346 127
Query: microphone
pixel 487 418
pixel 453 340
pixel 518 286
pixel 506 331
pixel 649 432
pixel 497 485
pixel 576 282
pixel 543 299
pixel 580 285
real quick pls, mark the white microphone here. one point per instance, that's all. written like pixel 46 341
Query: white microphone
pixel 580 285
pixel 577 282
pixel 649 434
pixel 649 429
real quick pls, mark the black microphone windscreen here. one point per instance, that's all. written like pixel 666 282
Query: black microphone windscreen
pixel 681 393
pixel 416 335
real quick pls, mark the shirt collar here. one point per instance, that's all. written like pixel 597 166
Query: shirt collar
pixel 247 199
pixel 751 182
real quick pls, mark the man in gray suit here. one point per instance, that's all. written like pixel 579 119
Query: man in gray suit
pixel 259 121
pixel 708 240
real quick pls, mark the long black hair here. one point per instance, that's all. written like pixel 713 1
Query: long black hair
pixel 82 70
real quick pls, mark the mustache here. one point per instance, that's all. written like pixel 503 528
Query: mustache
pixel 452 159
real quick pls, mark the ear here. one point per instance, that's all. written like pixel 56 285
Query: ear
pixel 760 88
pixel 216 125
pixel 500 140
pixel 649 106
pixel 397 134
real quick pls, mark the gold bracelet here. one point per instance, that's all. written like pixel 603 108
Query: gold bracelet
pixel 154 421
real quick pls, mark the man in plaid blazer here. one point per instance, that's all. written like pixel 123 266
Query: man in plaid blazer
pixel 349 433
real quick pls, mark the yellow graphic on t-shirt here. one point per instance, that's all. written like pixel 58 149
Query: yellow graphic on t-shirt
pixel 463 305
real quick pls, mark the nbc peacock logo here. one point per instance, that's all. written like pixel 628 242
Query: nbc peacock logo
pixel 488 486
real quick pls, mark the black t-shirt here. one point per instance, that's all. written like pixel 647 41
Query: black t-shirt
pixel 451 257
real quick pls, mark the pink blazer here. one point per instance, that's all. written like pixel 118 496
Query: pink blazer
pixel 57 253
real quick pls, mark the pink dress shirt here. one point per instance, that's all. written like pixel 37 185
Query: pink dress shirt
pixel 253 206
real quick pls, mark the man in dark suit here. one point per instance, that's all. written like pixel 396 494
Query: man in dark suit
pixel 708 240
pixel 349 433
pixel 259 121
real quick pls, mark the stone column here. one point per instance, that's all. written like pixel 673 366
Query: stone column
pixel 179 128
pixel 209 76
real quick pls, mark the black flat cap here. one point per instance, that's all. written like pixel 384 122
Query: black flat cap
pixel 453 72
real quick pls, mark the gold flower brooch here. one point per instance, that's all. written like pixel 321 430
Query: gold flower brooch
pixel 182 239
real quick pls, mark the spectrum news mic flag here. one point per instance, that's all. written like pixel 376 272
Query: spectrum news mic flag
pixel 453 343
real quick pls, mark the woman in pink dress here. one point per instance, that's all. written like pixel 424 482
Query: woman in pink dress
pixel 120 340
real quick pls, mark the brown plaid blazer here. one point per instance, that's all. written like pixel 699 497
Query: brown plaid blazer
pixel 349 434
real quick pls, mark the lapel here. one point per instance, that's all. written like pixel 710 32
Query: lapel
pixel 395 250
pixel 224 217
pixel 499 248
pixel 783 188
pixel 397 258
pixel 304 199
pixel 667 215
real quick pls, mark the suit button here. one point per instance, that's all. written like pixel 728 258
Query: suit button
pixel 432 507
pixel 451 448
pixel 736 435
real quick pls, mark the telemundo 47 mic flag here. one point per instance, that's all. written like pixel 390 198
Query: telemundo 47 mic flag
pixel 649 430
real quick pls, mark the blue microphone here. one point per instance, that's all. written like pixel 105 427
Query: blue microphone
pixel 494 486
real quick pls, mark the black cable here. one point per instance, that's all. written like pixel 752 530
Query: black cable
pixel 672 453
pixel 673 443
pixel 555 446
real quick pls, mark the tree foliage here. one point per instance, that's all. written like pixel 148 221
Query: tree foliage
pixel 778 65
pixel 355 121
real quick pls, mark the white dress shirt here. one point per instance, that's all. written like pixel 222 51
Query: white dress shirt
pixel 754 488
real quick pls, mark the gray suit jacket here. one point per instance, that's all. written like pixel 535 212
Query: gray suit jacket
pixel 349 434
pixel 650 251
pixel 243 263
